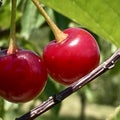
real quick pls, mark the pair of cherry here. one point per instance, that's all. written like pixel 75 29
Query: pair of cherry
pixel 23 74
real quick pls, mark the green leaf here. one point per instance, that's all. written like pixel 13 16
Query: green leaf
pixel 30 19
pixel 61 21
pixel 5 16
pixel 1 108
pixel 100 16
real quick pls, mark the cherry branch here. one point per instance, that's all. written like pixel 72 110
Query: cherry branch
pixel 55 99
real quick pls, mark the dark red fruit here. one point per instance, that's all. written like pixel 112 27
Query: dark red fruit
pixel 22 75
pixel 72 58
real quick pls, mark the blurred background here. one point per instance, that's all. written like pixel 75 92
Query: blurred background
pixel 95 101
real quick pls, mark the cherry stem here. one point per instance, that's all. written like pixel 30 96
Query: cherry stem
pixel 12 44
pixel 59 35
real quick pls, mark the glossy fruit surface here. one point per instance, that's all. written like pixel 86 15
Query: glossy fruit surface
pixel 72 58
pixel 22 75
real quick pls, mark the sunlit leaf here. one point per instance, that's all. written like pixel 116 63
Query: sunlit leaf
pixel 5 17
pixel 100 16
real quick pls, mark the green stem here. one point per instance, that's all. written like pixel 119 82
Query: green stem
pixel 12 44
pixel 59 35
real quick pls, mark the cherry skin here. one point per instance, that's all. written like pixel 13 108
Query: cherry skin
pixel 72 58
pixel 23 75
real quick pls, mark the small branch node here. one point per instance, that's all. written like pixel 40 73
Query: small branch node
pixel 53 100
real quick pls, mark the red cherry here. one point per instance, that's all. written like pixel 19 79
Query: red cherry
pixel 72 54
pixel 22 75
pixel 72 58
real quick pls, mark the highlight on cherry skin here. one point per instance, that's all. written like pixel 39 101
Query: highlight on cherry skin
pixel 72 58
pixel 23 75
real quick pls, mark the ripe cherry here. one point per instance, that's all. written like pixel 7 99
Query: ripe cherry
pixel 22 75
pixel 72 54
pixel 72 58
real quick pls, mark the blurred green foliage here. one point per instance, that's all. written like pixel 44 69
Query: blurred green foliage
pixel 100 17
pixel 115 115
